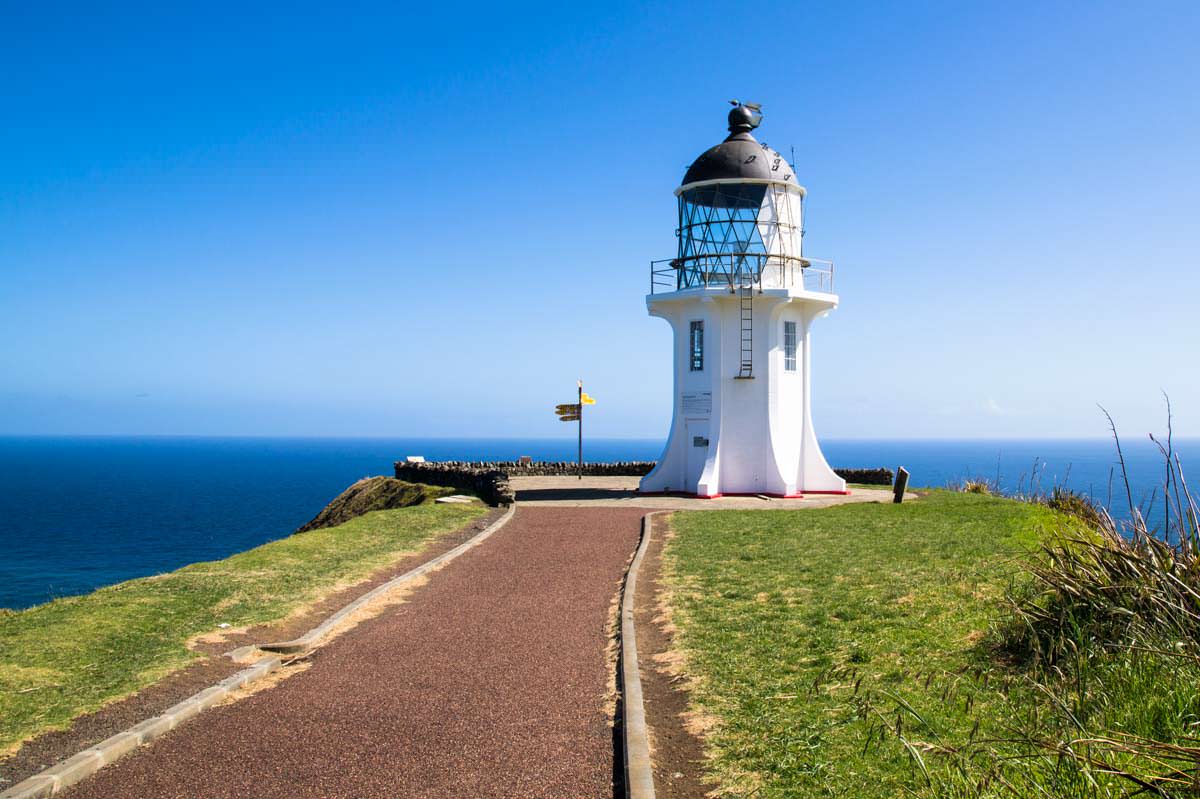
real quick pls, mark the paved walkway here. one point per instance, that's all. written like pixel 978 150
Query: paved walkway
pixel 622 492
pixel 489 682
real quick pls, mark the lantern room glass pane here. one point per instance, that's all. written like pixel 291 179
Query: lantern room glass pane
pixel 729 231
pixel 720 220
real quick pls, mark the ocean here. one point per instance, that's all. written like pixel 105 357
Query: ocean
pixel 79 513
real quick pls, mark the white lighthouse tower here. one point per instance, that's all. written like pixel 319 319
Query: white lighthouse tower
pixel 741 297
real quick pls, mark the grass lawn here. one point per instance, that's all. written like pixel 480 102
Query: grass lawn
pixel 836 652
pixel 73 655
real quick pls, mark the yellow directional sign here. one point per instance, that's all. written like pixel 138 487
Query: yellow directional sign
pixel 585 399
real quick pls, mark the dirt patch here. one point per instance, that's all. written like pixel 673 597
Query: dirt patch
pixel 89 729
pixel 612 651
pixel 288 668
pixel 677 749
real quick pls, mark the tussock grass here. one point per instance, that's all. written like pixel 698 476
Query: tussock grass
pixel 73 655
pixel 1109 632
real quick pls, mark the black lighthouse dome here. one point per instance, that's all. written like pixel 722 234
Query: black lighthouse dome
pixel 740 156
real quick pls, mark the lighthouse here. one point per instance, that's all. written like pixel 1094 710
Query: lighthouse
pixel 741 298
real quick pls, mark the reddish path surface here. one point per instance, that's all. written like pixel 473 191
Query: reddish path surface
pixel 489 682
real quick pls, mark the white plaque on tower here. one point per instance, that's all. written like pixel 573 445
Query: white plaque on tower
pixel 697 403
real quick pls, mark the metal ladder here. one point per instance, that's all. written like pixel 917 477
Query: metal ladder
pixel 746 303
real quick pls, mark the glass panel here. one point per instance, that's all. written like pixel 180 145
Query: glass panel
pixel 789 346
pixel 729 231
pixel 696 345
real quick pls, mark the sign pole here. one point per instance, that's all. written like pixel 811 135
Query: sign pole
pixel 573 412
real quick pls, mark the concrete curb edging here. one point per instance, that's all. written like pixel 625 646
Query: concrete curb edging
pixel 313 636
pixel 92 759
pixel 86 763
pixel 639 774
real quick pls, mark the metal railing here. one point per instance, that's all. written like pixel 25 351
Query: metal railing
pixel 731 271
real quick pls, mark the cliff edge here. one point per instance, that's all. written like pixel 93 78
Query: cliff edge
pixel 369 494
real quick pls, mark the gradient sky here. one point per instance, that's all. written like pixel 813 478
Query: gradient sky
pixel 364 219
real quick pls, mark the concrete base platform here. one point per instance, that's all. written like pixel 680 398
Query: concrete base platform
pixel 622 492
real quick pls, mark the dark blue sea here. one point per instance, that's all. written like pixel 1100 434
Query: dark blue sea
pixel 80 513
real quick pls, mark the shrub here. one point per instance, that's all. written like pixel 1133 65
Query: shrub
pixel 1072 503
pixel 879 477
pixel 1110 632
pixel 1096 660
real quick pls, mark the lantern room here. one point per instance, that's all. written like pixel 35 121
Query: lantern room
pixel 741 212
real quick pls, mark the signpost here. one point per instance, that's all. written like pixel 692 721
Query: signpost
pixel 573 412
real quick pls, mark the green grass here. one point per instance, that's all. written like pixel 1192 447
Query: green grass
pixel 842 652
pixel 73 655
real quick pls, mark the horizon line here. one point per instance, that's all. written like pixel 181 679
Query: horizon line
pixel 571 439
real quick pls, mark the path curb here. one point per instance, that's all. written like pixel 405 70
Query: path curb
pixel 313 636
pixel 639 774
pixel 86 763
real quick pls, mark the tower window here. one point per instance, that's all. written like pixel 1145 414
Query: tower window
pixel 789 346
pixel 696 346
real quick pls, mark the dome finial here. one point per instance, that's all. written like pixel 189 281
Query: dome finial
pixel 744 117
pixel 740 157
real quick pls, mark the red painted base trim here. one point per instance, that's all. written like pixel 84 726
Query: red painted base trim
pixel 847 492
pixel 752 494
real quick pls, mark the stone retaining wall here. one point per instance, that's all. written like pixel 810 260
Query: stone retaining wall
pixel 871 477
pixel 543 468
pixel 489 479
pixel 489 484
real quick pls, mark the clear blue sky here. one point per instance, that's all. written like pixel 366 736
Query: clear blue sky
pixel 372 220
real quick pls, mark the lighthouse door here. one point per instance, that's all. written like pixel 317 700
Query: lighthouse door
pixel 697 450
